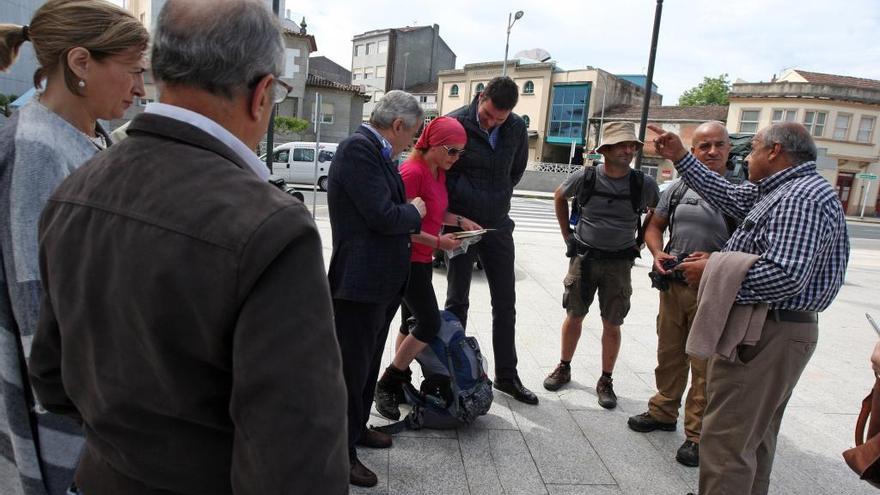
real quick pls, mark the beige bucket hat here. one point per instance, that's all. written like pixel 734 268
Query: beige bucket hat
pixel 618 132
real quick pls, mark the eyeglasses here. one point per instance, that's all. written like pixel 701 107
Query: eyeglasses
pixel 453 151
pixel 280 90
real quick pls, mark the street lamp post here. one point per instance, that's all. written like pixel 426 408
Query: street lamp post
pixel 649 79
pixel 511 20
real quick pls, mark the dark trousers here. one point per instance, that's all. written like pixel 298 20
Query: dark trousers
pixel 496 253
pixel 420 301
pixel 361 329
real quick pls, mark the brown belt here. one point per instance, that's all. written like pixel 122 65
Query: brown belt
pixel 792 316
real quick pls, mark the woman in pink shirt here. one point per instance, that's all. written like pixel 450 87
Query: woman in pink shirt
pixel 424 176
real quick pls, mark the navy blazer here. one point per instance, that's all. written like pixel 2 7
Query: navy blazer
pixel 371 222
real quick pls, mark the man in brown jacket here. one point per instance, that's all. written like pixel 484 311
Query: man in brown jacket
pixel 187 319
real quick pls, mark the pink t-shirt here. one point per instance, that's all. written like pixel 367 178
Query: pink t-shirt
pixel 419 182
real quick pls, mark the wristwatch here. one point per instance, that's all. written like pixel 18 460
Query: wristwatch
pixel 458 221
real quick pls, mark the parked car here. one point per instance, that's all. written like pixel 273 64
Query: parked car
pixel 295 163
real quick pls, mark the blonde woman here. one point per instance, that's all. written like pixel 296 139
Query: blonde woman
pixel 90 56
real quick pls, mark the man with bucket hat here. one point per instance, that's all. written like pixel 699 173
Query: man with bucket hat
pixel 602 246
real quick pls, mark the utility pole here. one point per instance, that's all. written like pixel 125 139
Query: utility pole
pixel 649 81
pixel 270 134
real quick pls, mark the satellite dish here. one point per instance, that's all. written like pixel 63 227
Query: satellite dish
pixel 539 54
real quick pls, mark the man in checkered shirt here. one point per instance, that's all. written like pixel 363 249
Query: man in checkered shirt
pixel 794 222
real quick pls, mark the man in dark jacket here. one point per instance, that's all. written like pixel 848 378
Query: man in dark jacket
pixel 372 223
pixel 186 318
pixel 480 187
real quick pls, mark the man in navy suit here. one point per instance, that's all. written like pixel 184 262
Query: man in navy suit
pixel 371 222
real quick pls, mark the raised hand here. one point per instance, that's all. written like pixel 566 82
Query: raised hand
pixel 667 144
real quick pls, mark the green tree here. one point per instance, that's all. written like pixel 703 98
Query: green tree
pixel 712 91
pixel 290 125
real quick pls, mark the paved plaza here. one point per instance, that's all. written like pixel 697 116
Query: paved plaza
pixel 569 445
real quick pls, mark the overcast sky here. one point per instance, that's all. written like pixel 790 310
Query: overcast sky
pixel 748 39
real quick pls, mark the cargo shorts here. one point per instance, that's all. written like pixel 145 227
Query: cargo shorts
pixel 611 278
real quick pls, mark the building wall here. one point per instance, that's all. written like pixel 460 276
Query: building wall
pixel 296 64
pixel 534 105
pixel 537 106
pixel 428 55
pixel 850 156
pixel 347 110
pixel 20 76
pixel 150 10
pixel 374 86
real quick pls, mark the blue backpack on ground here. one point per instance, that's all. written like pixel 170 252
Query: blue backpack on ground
pixel 456 389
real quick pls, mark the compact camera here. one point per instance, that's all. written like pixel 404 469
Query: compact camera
pixel 280 184
pixel 660 281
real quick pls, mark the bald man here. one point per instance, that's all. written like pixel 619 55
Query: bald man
pixel 694 225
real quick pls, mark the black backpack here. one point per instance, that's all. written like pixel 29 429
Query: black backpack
pixel 587 190
pixel 678 192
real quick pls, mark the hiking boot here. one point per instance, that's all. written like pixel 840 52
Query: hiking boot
pixel 560 376
pixel 605 392
pixel 389 392
pixel 688 454
pixel 644 423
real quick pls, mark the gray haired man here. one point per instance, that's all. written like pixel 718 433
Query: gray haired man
pixel 795 228
pixel 168 325
pixel 372 222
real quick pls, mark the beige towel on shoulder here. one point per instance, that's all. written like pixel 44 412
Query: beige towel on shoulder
pixel 720 325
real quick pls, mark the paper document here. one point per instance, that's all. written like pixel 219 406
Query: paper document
pixel 464 234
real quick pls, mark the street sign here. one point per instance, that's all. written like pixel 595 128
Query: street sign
pixel 867 176
pixel 594 156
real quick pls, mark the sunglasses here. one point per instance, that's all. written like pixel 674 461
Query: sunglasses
pixel 453 151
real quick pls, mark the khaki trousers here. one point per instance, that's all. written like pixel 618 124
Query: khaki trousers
pixel 678 305
pixel 746 401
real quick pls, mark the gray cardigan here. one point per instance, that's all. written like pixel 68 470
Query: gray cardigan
pixel 38 149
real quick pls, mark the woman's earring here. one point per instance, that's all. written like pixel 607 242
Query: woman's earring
pixel 81 83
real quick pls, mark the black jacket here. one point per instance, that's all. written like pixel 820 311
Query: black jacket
pixel 481 182
pixel 187 322
pixel 371 222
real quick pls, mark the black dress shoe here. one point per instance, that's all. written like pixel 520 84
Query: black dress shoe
pixel 375 439
pixel 688 454
pixel 359 475
pixel 514 388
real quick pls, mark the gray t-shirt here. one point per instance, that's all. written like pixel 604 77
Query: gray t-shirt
pixel 609 224
pixel 697 225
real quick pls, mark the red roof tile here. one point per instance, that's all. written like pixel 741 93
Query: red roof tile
pixel 835 80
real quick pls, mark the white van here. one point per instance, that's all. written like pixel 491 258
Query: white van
pixel 295 162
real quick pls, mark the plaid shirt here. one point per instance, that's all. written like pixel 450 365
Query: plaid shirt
pixel 794 221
